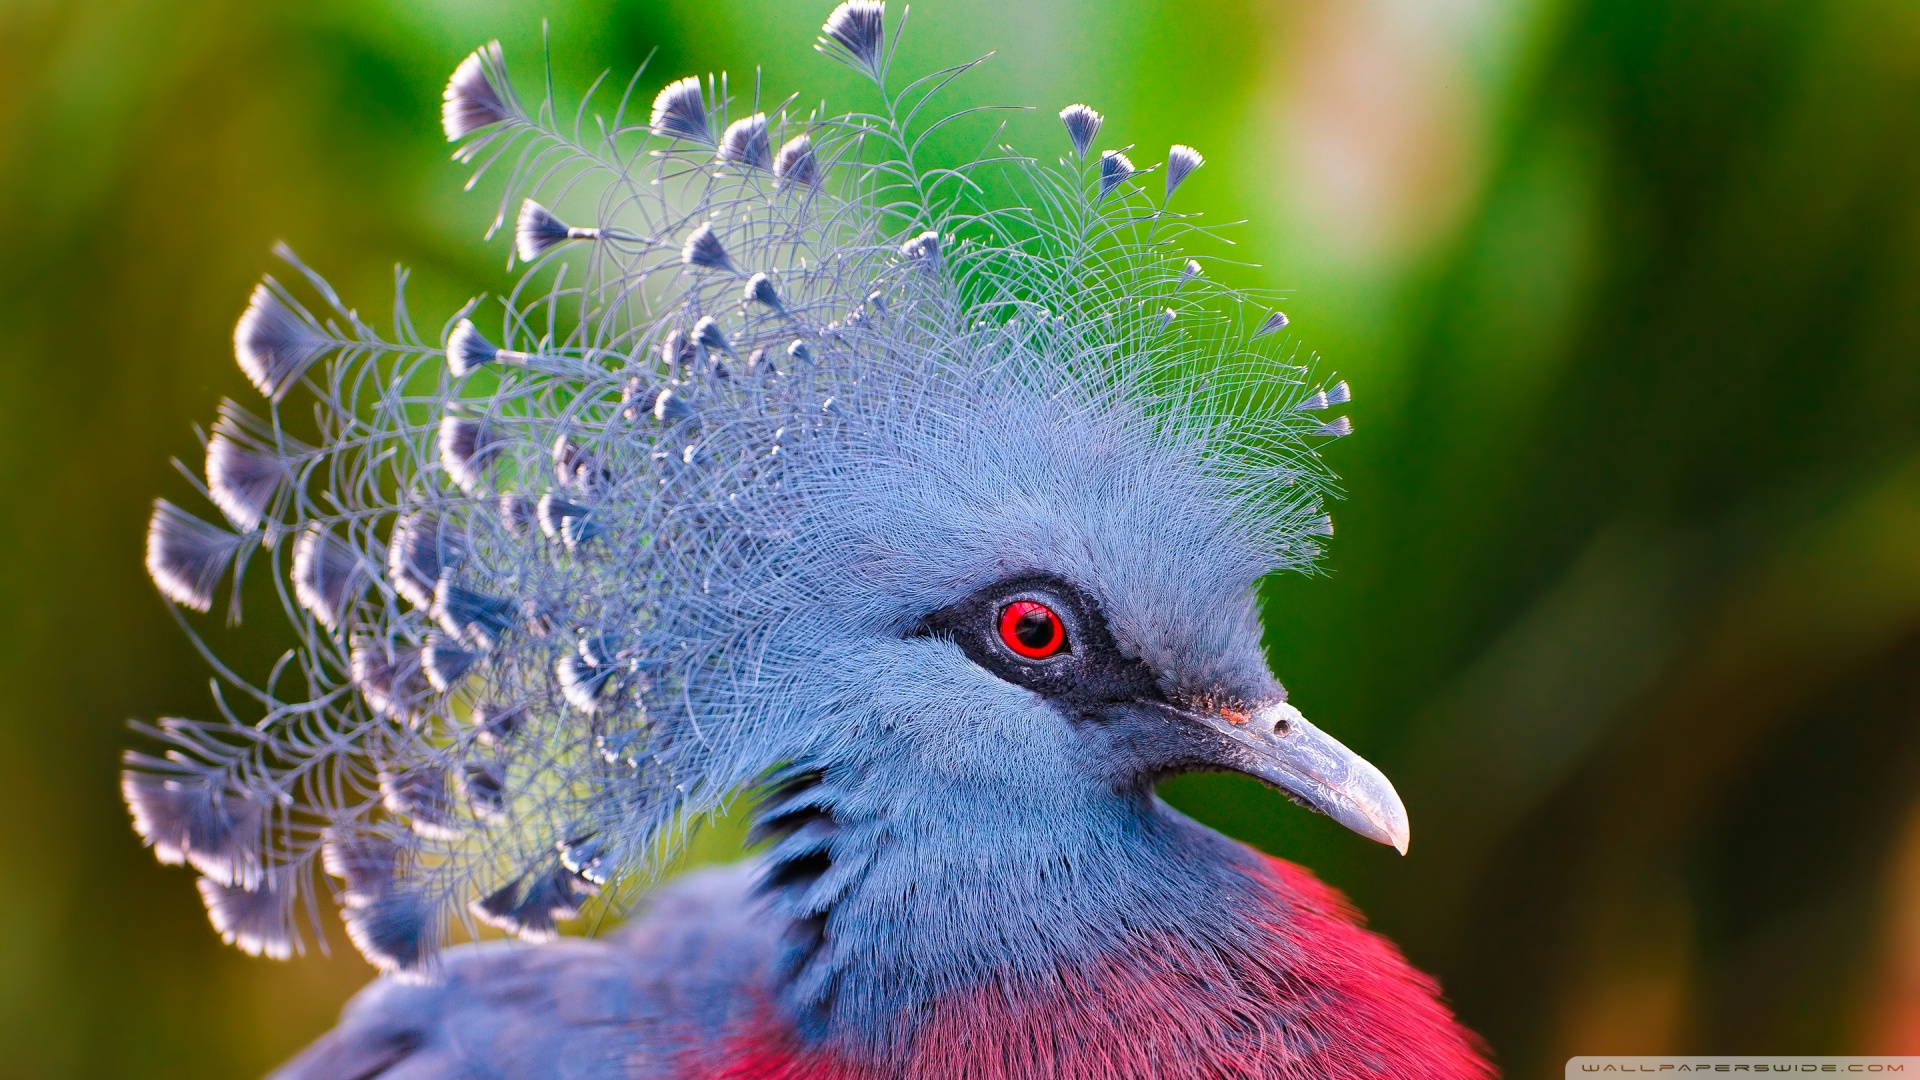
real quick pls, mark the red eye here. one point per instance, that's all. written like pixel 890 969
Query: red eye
pixel 1032 630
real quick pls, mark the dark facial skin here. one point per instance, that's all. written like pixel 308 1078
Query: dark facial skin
pixel 1136 735
pixel 1086 676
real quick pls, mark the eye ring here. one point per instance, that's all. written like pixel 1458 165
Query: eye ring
pixel 1032 630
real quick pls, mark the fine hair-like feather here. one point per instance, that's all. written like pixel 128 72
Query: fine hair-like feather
pixel 745 142
pixel 558 598
pixel 1181 162
pixel 1083 125
pixel 478 96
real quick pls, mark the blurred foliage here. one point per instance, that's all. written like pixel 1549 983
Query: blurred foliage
pixel 1626 599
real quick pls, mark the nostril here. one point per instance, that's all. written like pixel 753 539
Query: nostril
pixel 1279 717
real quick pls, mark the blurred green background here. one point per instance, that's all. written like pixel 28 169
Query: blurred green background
pixel 1626 597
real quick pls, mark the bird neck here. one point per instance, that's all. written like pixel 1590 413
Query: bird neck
pixel 1003 932
pixel 917 903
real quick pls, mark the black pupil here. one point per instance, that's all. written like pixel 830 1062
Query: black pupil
pixel 1034 629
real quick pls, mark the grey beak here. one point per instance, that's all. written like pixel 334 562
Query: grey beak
pixel 1277 745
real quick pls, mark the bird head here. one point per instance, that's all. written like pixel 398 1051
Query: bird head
pixel 797 456
pixel 1048 587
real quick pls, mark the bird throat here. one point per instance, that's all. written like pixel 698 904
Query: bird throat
pixel 900 914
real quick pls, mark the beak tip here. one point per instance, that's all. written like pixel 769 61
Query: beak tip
pixel 1383 824
pixel 1399 833
pixel 1380 813
pixel 1391 830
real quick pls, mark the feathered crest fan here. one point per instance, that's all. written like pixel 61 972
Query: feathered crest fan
pixel 560 570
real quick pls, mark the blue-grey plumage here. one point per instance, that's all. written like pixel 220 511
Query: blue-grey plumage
pixel 467 448
pixel 760 290
pixel 671 408
pixel 421 546
pixel 255 918
pixel 517 514
pixel 484 785
pixel 637 398
pixel 856 31
pixel 708 335
pixel 190 821
pixel 390 679
pixel 538 231
pixel 576 467
pixel 794 165
pixel 364 863
pixel 444 662
pixel 704 249
pixel 186 557
pixel 276 340
pixel 468 615
pixel 564 520
pixel 745 142
pixel 478 95
pixel 786 584
pixel 680 111
pixel 582 681
pixel 1181 162
pixel 1334 428
pixel 468 350
pixel 493 723
pixel 419 797
pixel 1083 126
pixel 923 251
pixel 676 351
pixel 247 465
pixel 326 576
pixel 397 930
pixel 1115 169
pixel 582 1010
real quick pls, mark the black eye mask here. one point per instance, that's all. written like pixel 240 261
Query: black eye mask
pixel 1086 672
